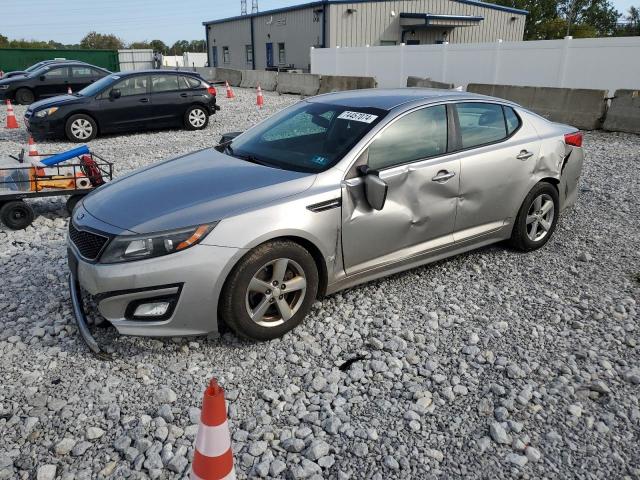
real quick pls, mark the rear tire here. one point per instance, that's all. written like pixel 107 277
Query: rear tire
pixel 537 218
pixel 81 128
pixel 16 214
pixel 24 96
pixel 256 301
pixel 196 118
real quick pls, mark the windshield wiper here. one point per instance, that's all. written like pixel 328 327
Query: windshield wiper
pixel 247 158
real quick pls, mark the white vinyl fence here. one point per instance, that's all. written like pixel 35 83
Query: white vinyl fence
pixel 599 63
pixel 135 59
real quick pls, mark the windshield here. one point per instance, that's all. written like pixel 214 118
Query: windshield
pixel 34 67
pixel 308 137
pixel 96 87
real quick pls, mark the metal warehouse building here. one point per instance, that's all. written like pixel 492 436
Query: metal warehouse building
pixel 282 38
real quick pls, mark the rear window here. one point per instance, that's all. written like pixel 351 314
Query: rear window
pixel 481 123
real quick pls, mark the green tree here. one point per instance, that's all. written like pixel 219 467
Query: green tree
pixel 139 45
pixel 197 46
pixel 4 41
pixel 180 47
pixel 633 15
pixel 101 41
pixel 158 46
pixel 600 14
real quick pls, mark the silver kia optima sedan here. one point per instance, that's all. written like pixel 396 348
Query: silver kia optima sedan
pixel 334 191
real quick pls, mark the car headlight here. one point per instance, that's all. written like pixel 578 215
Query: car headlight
pixel 46 112
pixel 4 87
pixel 128 248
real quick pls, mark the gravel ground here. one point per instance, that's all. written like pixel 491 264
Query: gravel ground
pixel 493 364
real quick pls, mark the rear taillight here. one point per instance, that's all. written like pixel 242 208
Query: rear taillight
pixel 573 139
pixel 212 91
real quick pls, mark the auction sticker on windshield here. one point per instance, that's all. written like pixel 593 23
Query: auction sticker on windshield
pixel 358 116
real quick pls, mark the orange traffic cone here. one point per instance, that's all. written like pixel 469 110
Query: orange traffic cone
pixel 11 117
pixel 213 457
pixel 33 149
pixel 230 93
pixel 69 91
pixel 260 101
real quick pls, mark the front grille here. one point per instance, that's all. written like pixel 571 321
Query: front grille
pixel 88 244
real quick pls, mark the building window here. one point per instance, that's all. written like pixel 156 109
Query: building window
pixel 282 57
pixel 387 43
pixel 249 53
pixel 226 56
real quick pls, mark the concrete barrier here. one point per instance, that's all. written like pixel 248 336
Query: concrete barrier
pixel 234 77
pixel 267 80
pixel 624 112
pixel 427 83
pixel 333 83
pixel 298 83
pixel 582 108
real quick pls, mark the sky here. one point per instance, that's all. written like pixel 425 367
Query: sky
pixel 68 21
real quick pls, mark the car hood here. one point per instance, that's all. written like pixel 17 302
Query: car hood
pixel 58 101
pixel 198 188
pixel 11 80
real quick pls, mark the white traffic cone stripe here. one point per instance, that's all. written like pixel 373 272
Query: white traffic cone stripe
pixel 213 441
pixel 230 476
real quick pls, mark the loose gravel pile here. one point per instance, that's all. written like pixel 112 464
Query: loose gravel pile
pixel 493 364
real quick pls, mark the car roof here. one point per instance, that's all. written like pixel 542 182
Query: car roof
pixel 390 98
pixel 162 71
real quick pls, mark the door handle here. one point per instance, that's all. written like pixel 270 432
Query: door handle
pixel 524 155
pixel 144 100
pixel 184 95
pixel 443 176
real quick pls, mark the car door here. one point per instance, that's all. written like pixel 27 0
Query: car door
pixel 130 110
pixel 169 98
pixel 498 156
pixel 54 81
pixel 411 156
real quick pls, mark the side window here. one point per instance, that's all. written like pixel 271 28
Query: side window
pixel 56 73
pixel 480 123
pixel 415 136
pixel 131 86
pixel 164 83
pixel 81 72
pixel 187 83
pixel 98 73
pixel 513 121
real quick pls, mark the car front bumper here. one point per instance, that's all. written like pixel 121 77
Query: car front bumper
pixel 191 280
pixel 46 127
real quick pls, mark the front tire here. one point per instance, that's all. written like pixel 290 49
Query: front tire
pixel 16 215
pixel 24 96
pixel 196 118
pixel 537 218
pixel 81 128
pixel 270 291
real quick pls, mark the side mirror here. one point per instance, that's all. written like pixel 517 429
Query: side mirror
pixel 114 94
pixel 43 78
pixel 227 137
pixel 375 188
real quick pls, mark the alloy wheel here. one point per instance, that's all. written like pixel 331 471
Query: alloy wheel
pixel 276 292
pixel 81 128
pixel 540 217
pixel 197 118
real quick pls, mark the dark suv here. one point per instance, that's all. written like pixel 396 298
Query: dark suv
pixel 50 80
pixel 126 101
